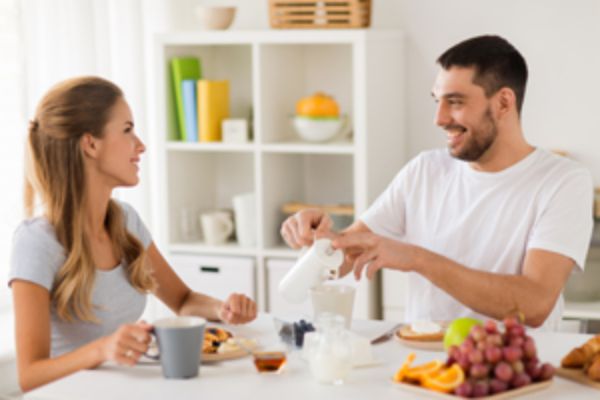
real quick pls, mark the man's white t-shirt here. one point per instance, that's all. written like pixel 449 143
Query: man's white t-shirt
pixel 485 221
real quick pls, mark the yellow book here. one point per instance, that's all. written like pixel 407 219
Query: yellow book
pixel 213 107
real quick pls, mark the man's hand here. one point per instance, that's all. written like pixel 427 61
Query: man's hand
pixel 367 248
pixel 237 309
pixel 300 229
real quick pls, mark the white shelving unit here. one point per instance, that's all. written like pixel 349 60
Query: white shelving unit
pixel 268 72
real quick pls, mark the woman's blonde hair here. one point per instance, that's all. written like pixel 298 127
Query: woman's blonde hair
pixel 55 175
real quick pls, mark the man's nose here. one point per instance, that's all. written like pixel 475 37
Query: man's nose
pixel 442 115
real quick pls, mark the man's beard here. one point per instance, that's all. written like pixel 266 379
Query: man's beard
pixel 479 141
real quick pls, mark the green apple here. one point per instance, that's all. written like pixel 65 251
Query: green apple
pixel 458 330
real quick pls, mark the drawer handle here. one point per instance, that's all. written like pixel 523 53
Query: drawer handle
pixel 212 270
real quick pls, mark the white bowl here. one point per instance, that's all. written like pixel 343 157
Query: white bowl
pixel 318 129
pixel 215 17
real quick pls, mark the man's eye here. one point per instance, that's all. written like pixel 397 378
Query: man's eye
pixel 128 130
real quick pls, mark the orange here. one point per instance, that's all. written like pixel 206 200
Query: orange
pixel 317 105
pixel 399 375
pixel 445 380
pixel 419 372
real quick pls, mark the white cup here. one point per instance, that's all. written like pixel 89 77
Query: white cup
pixel 334 299
pixel 216 227
pixel 245 219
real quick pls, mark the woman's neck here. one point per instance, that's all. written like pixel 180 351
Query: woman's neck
pixel 96 206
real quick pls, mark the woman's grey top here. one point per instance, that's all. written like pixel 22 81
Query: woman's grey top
pixel 37 256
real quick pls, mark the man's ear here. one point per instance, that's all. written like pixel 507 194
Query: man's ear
pixel 89 145
pixel 506 101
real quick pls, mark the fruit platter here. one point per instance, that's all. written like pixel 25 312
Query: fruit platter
pixel 490 362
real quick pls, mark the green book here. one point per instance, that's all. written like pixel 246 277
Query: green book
pixel 182 68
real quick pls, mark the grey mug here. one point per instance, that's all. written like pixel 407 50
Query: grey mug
pixel 179 344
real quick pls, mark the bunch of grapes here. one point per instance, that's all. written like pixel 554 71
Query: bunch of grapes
pixel 494 362
pixel 300 328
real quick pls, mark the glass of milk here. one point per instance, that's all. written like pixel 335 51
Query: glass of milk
pixel 330 350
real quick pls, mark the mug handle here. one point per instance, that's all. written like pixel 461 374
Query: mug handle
pixel 155 357
pixel 228 225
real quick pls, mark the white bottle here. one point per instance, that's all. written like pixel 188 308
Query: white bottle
pixel 319 263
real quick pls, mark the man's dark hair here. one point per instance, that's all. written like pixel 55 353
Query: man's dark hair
pixel 497 64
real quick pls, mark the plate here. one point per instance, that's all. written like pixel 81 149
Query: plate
pixel 427 344
pixel 577 375
pixel 498 396
pixel 205 358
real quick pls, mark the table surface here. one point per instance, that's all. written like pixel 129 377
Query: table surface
pixel 236 379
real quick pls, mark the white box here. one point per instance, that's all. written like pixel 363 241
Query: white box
pixel 235 130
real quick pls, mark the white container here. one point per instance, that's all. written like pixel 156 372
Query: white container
pixel 244 208
pixel 277 268
pixel 316 265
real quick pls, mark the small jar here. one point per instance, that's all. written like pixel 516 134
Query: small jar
pixel 330 350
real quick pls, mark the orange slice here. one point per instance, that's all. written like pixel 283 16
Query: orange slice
pixel 419 372
pixel 399 375
pixel 445 380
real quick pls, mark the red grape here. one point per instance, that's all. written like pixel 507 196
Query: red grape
pixel 481 389
pixel 493 354
pixel 547 372
pixel 494 339
pixel 517 341
pixel 490 326
pixel 519 380
pixel 463 361
pixel 479 370
pixel 518 366
pixel 512 354
pixel 517 330
pixel 464 390
pixel 503 371
pixel 529 348
pixel 476 356
pixel 509 322
pixel 478 333
pixel 498 386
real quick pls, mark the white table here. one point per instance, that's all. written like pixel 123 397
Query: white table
pixel 237 379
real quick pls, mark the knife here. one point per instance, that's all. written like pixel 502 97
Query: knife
pixel 387 335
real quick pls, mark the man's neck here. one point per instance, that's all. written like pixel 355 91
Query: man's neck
pixel 507 150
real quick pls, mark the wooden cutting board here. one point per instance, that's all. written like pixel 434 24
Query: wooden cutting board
pixel 577 375
pixel 499 396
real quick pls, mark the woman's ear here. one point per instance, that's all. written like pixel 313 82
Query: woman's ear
pixel 89 145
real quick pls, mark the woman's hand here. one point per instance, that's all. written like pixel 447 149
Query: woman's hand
pixel 127 344
pixel 301 228
pixel 237 309
pixel 366 249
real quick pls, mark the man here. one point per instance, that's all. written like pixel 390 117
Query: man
pixel 487 227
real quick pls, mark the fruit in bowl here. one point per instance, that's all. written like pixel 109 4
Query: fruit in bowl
pixel 318 118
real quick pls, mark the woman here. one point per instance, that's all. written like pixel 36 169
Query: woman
pixel 81 271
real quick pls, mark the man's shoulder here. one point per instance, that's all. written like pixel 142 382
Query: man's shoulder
pixel 551 163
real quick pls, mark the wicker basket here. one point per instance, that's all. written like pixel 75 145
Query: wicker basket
pixel 310 14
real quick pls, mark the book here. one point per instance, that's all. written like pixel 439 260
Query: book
pixel 182 68
pixel 213 107
pixel 190 110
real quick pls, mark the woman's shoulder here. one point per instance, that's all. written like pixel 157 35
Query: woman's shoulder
pixel 36 237
pixel 36 252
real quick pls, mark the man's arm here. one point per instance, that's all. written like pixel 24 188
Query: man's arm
pixel 533 292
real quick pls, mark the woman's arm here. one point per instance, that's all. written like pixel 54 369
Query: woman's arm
pixel 32 322
pixel 171 290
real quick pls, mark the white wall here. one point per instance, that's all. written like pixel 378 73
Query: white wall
pixel 559 39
